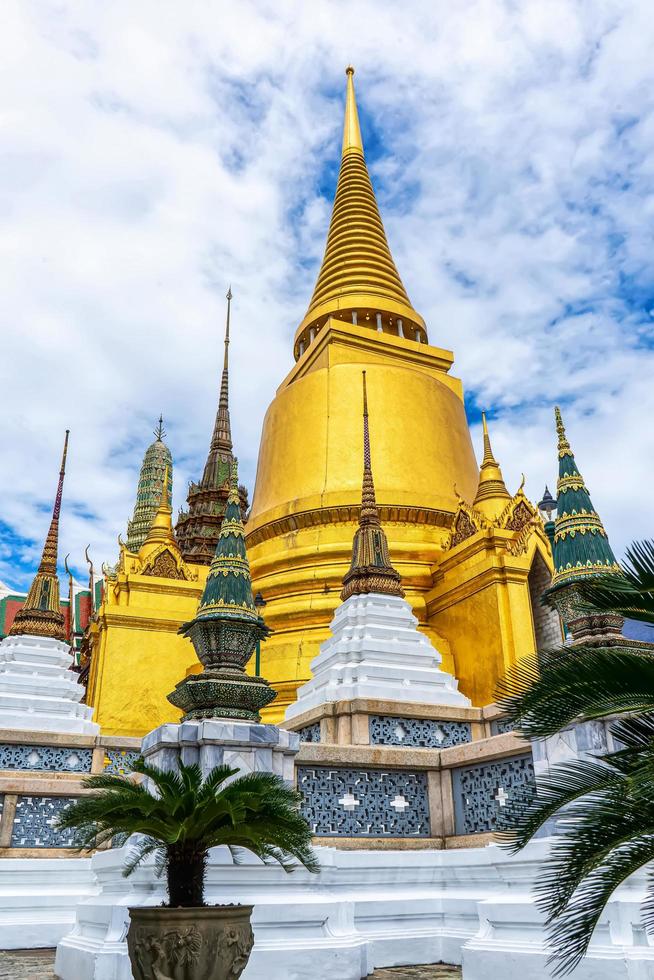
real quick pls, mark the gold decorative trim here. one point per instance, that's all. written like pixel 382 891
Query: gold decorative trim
pixel 346 514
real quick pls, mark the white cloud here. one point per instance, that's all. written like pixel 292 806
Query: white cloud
pixel 154 152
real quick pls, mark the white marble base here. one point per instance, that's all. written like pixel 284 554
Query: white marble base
pixel 376 651
pixel 247 746
pixel 38 691
pixel 369 909
pixel 39 899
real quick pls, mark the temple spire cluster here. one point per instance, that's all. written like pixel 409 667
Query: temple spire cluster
pixel 198 527
pixel 371 569
pixel 358 280
pixel 41 614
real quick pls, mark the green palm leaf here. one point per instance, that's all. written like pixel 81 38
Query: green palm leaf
pixel 631 594
pixel 179 816
pixel 543 693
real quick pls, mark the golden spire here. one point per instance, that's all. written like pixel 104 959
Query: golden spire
pixel 564 445
pixel 161 530
pixel 371 569
pixel 41 613
pixel 352 142
pixel 492 495
pixel 358 279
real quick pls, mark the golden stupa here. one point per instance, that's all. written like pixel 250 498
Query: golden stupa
pixel 307 492
pixel 474 558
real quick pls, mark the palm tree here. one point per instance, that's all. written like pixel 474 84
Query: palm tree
pixel 604 806
pixel 179 816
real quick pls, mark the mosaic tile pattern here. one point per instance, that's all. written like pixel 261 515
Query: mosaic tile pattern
pixel 119 762
pixel 500 726
pixel 45 758
pixel 422 733
pixel 340 802
pixel 34 822
pixel 310 733
pixel 482 792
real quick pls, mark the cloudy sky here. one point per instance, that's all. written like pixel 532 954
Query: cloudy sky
pixel 154 152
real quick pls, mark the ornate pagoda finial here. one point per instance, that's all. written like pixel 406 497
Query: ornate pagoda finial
pixel 352 142
pixel 91 577
pixel 161 529
pixel 41 613
pixel 225 631
pixel 160 432
pixel 564 445
pixel 370 569
pixel 358 279
pixel 221 440
pixel 492 495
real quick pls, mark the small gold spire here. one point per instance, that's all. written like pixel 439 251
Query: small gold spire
pixel 492 494
pixel 564 445
pixel 161 531
pixel 352 142
pixel 370 569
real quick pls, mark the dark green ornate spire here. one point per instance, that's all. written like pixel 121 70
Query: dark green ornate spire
pixel 198 527
pixel 225 631
pixel 156 461
pixel 581 546
pixel 228 590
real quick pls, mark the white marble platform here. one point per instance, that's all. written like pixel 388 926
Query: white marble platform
pixel 368 909
pixel 38 690
pixel 377 651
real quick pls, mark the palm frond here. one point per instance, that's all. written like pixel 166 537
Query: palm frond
pixel 629 593
pixel 544 693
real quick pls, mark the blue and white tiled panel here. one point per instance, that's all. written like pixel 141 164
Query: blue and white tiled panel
pixel 419 733
pixel 45 758
pixel 340 802
pixel 483 792
pixel 310 733
pixel 34 822
pixel 501 726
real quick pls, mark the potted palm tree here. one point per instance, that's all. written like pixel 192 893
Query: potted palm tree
pixel 178 817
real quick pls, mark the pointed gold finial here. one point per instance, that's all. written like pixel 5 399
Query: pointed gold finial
pixel 370 569
pixel 161 532
pixel 352 142
pixel 358 280
pixel 564 445
pixel 492 494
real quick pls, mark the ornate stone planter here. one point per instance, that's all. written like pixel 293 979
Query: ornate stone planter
pixel 209 943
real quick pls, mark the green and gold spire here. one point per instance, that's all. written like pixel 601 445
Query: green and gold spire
pixel 228 589
pixel 581 546
pixel 225 631
pixel 371 569
pixel 41 613
pixel 156 462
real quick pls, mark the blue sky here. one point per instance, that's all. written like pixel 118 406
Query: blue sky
pixel 162 151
